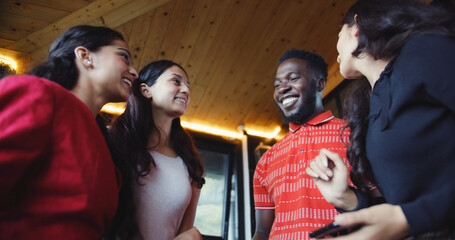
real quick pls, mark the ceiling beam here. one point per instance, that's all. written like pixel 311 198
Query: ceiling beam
pixel 109 13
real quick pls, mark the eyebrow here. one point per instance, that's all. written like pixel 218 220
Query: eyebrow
pixel 287 74
pixel 180 77
pixel 177 75
pixel 126 50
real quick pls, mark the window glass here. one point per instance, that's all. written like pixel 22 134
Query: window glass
pixel 209 214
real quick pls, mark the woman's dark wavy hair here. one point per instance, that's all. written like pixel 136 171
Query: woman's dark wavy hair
pixel 60 66
pixel 130 133
pixel 384 27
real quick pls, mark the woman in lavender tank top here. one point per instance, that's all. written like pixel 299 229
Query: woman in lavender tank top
pixel 161 168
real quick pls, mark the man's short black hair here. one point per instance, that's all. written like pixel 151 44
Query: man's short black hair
pixel 315 62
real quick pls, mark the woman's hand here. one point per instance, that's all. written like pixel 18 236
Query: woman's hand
pixel 384 221
pixel 192 234
pixel 330 174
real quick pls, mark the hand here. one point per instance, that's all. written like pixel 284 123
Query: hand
pixel 192 234
pixel 384 221
pixel 330 174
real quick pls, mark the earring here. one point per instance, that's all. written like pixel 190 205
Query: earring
pixel 89 63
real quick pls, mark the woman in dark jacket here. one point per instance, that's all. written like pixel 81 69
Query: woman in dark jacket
pixel 402 120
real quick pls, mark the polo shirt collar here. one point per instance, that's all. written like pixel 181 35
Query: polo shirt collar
pixel 319 119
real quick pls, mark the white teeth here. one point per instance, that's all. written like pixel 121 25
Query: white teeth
pixel 289 100
pixel 127 81
pixel 181 100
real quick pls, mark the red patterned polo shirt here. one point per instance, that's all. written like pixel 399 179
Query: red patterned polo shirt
pixel 280 181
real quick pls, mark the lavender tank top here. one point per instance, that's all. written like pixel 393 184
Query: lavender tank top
pixel 163 198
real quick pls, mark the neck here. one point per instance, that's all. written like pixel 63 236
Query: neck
pixel 88 96
pixel 318 110
pixel 372 69
pixel 164 125
pixel 316 113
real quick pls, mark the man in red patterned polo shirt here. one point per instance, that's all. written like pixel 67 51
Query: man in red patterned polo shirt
pixel 288 204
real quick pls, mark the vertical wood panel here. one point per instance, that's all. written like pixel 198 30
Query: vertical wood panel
pixel 137 39
pixel 179 19
pixel 227 49
pixel 189 40
pixel 207 52
pixel 158 29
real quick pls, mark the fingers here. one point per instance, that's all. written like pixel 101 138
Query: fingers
pixel 318 168
pixel 335 157
pixel 353 218
pixel 384 221
pixel 311 173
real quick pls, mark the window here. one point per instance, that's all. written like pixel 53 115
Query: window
pixel 210 211
pixel 216 215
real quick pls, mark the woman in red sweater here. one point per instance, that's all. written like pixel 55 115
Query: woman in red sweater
pixel 57 177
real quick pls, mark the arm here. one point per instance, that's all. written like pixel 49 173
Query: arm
pixel 426 65
pixel 190 213
pixel 428 60
pixel 330 176
pixel 263 201
pixel 264 222
pixel 192 234
pixel 25 127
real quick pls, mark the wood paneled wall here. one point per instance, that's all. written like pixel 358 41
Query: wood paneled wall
pixel 230 48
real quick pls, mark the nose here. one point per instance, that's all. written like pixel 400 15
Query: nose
pixel 185 89
pixel 133 72
pixel 284 87
pixel 338 59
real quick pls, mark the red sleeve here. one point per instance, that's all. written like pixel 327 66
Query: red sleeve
pixel 25 127
pixel 262 198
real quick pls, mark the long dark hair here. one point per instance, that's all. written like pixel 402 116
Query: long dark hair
pixel 384 27
pixel 60 65
pixel 130 133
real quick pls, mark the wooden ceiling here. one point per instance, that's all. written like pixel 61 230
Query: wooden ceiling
pixel 230 48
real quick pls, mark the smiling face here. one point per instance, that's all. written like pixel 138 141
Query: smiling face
pixel 295 91
pixel 346 44
pixel 113 72
pixel 170 94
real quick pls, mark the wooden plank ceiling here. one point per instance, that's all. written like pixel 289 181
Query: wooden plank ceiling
pixel 230 48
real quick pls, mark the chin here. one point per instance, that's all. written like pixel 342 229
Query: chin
pixel 120 98
pixel 178 114
pixel 124 98
pixel 349 74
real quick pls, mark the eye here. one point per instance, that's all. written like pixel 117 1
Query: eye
pixel 126 57
pixel 293 79
pixel 277 84
pixel 176 82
